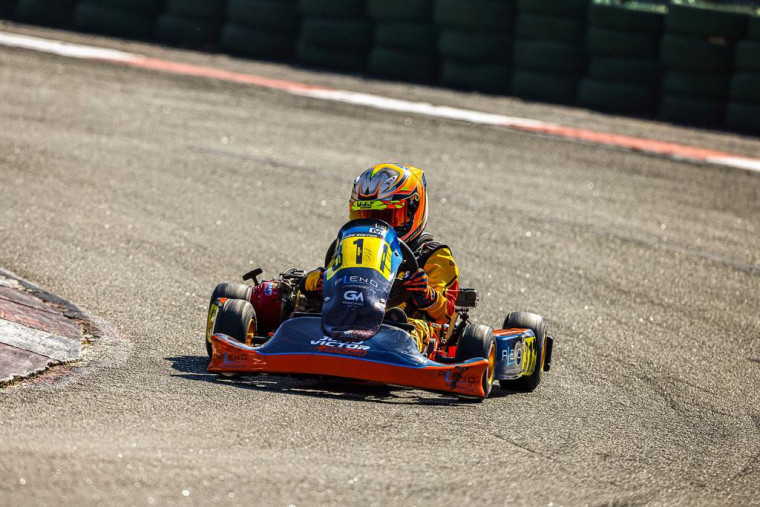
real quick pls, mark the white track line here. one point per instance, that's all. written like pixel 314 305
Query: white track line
pixel 673 151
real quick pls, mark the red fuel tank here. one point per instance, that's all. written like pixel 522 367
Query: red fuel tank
pixel 266 299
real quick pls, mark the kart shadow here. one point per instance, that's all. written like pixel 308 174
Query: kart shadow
pixel 194 368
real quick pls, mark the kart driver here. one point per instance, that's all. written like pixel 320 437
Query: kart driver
pixel 399 198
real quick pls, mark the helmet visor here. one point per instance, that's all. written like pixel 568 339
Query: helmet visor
pixel 394 213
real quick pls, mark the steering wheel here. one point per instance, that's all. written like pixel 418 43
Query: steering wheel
pixel 398 293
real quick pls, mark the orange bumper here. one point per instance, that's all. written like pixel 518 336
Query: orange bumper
pixel 230 356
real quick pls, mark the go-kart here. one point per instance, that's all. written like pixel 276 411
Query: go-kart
pixel 357 332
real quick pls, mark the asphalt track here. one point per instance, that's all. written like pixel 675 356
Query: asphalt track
pixel 132 193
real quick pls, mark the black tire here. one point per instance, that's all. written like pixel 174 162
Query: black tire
pixel 490 78
pixel 569 8
pixel 695 54
pixel 476 341
pixel 628 17
pixel 243 40
pixel 696 85
pixel 344 34
pixel 400 10
pixel 223 290
pixel 640 71
pixel 564 60
pixel 617 97
pixel 6 8
pixel 748 55
pixel 190 31
pixel 544 87
pixel 526 320
pixel 605 42
pixel 550 28
pixel 146 7
pixel 269 15
pixel 45 12
pixel 707 20
pixel 475 47
pixel 92 17
pixel 692 111
pixel 349 9
pixel 205 10
pixel 416 38
pixel 236 319
pixel 745 87
pixel 753 30
pixel 332 58
pixel 403 65
pixel 743 117
pixel 478 15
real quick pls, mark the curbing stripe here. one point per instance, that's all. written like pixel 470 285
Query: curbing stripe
pixel 668 150
pixel 42 343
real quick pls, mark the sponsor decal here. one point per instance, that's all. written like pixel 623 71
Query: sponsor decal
pixel 234 358
pixel 268 288
pixel 458 375
pixel 352 295
pixel 513 353
pixel 356 280
pixel 337 347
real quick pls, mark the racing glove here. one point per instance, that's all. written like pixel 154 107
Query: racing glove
pixel 416 282
pixel 313 281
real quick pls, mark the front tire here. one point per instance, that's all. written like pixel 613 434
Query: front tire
pixel 478 340
pixel 534 322
pixel 223 291
pixel 237 319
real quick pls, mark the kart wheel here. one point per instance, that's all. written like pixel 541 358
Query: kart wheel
pixel 237 319
pixel 477 340
pixel 525 320
pixel 223 290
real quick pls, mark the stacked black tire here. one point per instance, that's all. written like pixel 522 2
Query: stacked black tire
pixel 261 28
pixel 121 18
pixel 475 43
pixel 405 40
pixel 45 12
pixel 549 55
pixel 743 110
pixel 623 41
pixel 334 33
pixel 6 8
pixel 191 23
pixel 698 51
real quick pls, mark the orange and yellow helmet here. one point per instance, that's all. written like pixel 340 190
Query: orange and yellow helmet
pixel 394 193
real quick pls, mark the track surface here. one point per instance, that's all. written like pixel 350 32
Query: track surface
pixel 133 193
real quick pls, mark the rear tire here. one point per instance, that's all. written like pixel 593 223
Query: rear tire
pixel 223 290
pixel 534 322
pixel 478 340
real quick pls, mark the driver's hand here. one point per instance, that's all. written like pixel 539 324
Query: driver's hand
pixel 416 282
pixel 313 282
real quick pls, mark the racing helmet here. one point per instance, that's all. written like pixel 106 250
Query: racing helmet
pixel 394 193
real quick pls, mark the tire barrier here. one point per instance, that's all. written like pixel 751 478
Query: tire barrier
pixel 690 61
pixel 698 51
pixel 475 43
pixel 6 8
pixel 623 44
pixel 261 28
pixel 549 59
pixel 743 108
pixel 191 23
pixel 121 18
pixel 405 40
pixel 334 33
pixel 56 13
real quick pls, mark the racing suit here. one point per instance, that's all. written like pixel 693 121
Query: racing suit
pixel 443 283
